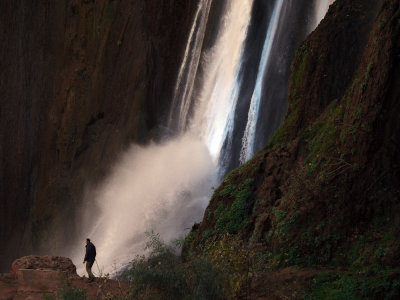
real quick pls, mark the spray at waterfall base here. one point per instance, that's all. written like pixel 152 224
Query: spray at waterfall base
pixel 166 187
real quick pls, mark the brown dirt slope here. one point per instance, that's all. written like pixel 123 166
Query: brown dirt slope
pixel 325 191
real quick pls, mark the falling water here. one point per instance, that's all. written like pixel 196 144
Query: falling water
pixel 249 134
pixel 248 148
pixel 216 102
pixel 187 73
pixel 166 186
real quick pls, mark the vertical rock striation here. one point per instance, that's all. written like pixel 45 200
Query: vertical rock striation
pixel 79 81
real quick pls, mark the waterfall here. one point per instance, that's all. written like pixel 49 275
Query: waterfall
pixel 249 134
pixel 216 102
pixel 182 98
pixel 166 186
pixel 248 147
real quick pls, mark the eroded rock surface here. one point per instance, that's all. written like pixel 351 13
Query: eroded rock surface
pixel 54 263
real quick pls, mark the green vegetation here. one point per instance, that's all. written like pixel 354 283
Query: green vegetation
pixel 109 11
pixel 189 240
pixel 366 77
pixel 324 134
pixel 235 263
pixel 68 292
pixel 321 245
pixel 310 247
pixel 231 220
pixel 206 234
pixel 164 275
pixel 257 205
pixel 286 130
pixel 366 283
pixel 382 23
pixel 282 226
pixel 297 73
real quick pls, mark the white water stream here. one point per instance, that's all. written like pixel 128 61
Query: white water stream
pixel 216 102
pixel 188 70
pixel 249 135
pixel 248 140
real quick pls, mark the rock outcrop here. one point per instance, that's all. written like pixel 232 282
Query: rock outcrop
pixel 33 277
pixel 80 80
pixel 54 263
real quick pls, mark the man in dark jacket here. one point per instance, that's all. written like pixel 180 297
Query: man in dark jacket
pixel 90 256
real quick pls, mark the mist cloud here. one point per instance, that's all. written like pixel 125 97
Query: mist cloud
pixel 162 187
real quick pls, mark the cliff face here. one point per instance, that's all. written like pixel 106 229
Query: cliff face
pixel 325 190
pixel 79 81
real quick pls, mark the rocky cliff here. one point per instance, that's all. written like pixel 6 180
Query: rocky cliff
pixel 315 213
pixel 324 193
pixel 79 81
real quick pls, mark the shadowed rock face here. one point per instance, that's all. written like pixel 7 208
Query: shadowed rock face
pixel 79 81
pixel 330 176
pixel 325 190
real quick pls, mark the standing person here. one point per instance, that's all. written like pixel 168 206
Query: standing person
pixel 90 256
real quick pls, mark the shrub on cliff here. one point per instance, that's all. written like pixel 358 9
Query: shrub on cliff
pixel 162 274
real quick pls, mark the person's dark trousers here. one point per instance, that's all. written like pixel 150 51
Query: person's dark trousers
pixel 89 265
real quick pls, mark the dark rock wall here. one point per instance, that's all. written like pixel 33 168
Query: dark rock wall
pixel 325 65
pixel 80 80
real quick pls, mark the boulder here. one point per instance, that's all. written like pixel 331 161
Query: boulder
pixel 55 263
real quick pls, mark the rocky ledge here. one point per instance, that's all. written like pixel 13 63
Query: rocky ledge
pixel 47 277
